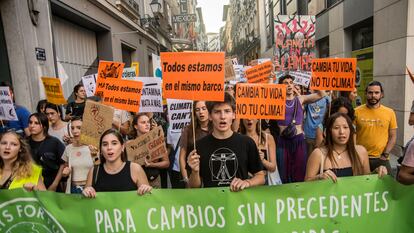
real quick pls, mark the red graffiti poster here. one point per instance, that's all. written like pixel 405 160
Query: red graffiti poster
pixel 294 42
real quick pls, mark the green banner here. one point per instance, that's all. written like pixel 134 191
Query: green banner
pixel 354 204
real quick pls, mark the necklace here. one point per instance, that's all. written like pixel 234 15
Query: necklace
pixel 114 171
pixel 339 153
pixel 291 105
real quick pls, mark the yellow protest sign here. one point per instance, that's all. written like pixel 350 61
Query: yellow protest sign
pixel 53 89
pixel 136 65
pixel 260 101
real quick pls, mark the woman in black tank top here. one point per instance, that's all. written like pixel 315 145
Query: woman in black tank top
pixel 339 156
pixel 114 174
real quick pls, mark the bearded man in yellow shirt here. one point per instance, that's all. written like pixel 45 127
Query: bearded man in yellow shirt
pixel 376 127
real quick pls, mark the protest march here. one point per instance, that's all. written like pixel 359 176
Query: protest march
pixel 213 145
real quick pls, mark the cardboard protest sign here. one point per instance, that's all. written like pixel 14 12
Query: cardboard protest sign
pixel 96 119
pixel 238 71
pixel 89 83
pixel 122 94
pixel 301 77
pixel 229 70
pixel 260 101
pixel 129 73
pixel 107 70
pixel 136 66
pixel 235 61
pixel 259 73
pixel 193 75
pixel 333 74
pixel 151 98
pixel 7 111
pixel 53 89
pixel 179 116
pixel 150 146
pixel 294 42
pixel 156 66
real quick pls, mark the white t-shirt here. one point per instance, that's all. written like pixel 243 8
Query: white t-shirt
pixel 80 160
pixel 60 132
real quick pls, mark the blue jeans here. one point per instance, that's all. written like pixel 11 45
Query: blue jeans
pixel 76 188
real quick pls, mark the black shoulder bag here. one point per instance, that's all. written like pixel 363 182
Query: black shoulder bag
pixel 290 131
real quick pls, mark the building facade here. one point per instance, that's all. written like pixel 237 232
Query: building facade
pixel 378 33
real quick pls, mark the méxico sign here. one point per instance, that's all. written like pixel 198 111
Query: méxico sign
pixel 184 18
pixel 354 204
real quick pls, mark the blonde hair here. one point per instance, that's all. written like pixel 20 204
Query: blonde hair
pixel 22 166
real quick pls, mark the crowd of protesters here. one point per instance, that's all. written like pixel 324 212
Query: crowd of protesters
pixel 322 137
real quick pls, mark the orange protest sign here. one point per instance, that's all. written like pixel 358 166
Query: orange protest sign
pixel 259 73
pixel 260 101
pixel 107 70
pixel 193 75
pixel 333 74
pixel 53 89
pixel 122 94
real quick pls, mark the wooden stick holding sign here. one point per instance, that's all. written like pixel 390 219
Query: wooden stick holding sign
pixel 410 74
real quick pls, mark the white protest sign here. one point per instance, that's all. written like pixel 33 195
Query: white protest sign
pixel 238 71
pixel 89 83
pixel 7 111
pixel 301 77
pixel 151 98
pixel 179 116
pixel 129 73
pixel 156 66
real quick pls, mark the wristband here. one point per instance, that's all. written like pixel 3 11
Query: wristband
pixel 386 155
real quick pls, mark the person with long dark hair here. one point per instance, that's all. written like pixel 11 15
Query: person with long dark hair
pixel 76 107
pixel 142 125
pixel 57 127
pixel 115 173
pixel 341 104
pixel 291 145
pixel 266 146
pixel 46 150
pixel 339 157
pixel 202 129
pixel 17 169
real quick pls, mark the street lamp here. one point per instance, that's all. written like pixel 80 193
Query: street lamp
pixel 155 7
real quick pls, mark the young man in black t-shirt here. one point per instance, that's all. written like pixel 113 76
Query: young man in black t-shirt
pixel 224 158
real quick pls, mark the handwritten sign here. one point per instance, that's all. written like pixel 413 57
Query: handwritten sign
pixel 260 101
pixel 333 74
pixel 151 98
pixel 179 116
pixel 129 73
pixel 259 73
pixel 97 118
pixel 122 94
pixel 53 89
pixel 89 83
pixel 7 111
pixel 193 75
pixel 229 70
pixel 136 66
pixel 301 77
pixel 294 42
pixel 150 146
pixel 107 70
